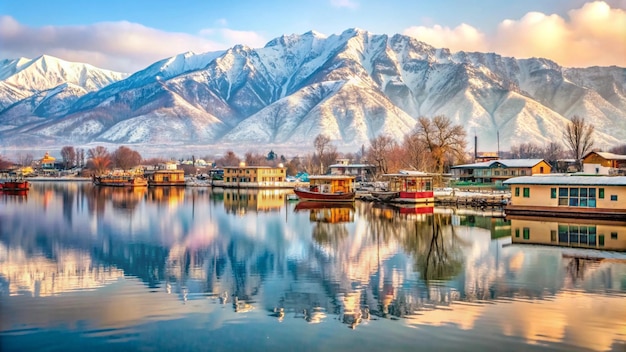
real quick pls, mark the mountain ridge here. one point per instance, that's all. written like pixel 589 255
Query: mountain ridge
pixel 352 87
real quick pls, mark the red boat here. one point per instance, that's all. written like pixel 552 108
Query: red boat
pixel 328 188
pixel 15 185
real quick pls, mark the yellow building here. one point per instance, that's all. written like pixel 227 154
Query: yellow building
pixel 605 235
pixel 602 163
pixel 254 177
pixel 165 175
pixel 563 195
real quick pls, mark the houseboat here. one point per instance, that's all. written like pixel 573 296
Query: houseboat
pixel 407 187
pixel 14 185
pixel 165 175
pixel 120 181
pixel 577 196
pixel 328 188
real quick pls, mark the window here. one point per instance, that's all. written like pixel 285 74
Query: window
pixel 516 232
pixel 522 172
pixel 613 235
pixel 526 192
pixel 601 193
pixel 517 191
pixel 553 235
pixel 613 197
pixel 526 233
pixel 541 169
pixel 553 193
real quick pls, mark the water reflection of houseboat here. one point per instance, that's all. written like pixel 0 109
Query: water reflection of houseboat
pixel 594 197
pixel 575 233
pixel 170 195
pixel 328 212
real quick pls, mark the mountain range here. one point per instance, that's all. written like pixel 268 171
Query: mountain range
pixel 351 87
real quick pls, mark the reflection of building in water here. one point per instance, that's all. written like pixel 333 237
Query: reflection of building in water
pixel 39 276
pixel 240 201
pixel 166 195
pixel 605 235
pixel 122 198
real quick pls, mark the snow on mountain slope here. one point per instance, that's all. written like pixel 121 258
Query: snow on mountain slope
pixel 21 78
pixel 352 87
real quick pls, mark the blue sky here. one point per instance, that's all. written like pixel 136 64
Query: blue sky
pixel 129 35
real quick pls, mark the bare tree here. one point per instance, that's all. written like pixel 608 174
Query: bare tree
pixel 526 151
pixel 415 149
pixel 24 159
pixel 125 158
pixel 229 159
pixel 620 149
pixel 552 153
pixel 4 163
pixel 99 159
pixel 68 153
pixel 321 144
pixel 578 136
pixel 380 151
pixel 442 139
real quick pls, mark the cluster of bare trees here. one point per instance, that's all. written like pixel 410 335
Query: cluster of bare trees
pixel 433 145
pixel 101 160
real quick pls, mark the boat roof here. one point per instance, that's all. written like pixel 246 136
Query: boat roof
pixel 330 177
pixel 577 180
pixel 504 162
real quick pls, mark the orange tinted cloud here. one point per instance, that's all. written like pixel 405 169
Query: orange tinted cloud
pixel 594 34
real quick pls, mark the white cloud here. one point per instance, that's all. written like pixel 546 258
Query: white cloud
pixel 349 4
pixel 463 37
pixel 231 37
pixel 594 34
pixel 120 46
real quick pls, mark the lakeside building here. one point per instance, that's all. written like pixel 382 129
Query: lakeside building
pixel 254 177
pixel 568 195
pixel 361 172
pixel 166 174
pixel 500 170
pixel 603 163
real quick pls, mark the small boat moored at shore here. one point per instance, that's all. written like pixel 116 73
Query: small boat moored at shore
pixel 14 185
pixel 328 188
pixel 407 187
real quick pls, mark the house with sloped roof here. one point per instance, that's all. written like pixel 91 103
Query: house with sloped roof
pixel 604 163
pixel 495 171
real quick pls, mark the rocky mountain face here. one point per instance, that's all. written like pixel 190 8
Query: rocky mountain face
pixel 351 87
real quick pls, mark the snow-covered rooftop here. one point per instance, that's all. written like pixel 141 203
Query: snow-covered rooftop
pixel 505 162
pixel 564 180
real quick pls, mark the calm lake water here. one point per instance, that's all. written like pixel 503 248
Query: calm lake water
pixel 100 269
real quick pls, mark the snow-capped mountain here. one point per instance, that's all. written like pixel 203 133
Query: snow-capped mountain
pixel 352 87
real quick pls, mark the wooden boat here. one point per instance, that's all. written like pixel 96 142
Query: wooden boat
pixel 120 181
pixel 166 177
pixel 15 185
pixel 407 187
pixel 328 188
